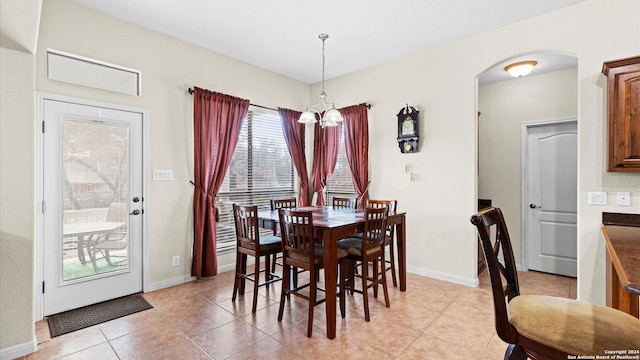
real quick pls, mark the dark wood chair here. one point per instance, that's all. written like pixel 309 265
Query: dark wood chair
pixel 286 203
pixel 545 327
pixel 367 249
pixel 300 251
pixel 250 243
pixel 343 202
pixel 390 262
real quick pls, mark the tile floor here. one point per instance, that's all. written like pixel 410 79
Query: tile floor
pixel 432 320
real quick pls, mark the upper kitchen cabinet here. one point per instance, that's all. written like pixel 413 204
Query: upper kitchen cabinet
pixel 623 123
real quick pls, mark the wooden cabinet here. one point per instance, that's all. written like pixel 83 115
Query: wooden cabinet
pixel 623 113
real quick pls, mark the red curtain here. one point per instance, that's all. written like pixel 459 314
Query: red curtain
pixel 217 120
pixel 294 136
pixel 326 145
pixel 356 132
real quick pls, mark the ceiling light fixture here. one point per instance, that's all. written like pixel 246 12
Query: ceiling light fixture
pixel 521 68
pixel 329 115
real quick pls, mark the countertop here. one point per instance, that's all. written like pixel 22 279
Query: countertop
pixel 622 236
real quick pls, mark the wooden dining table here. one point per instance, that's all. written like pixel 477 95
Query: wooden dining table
pixel 332 224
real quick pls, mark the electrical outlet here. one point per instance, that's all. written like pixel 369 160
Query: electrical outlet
pixel 176 261
pixel 624 199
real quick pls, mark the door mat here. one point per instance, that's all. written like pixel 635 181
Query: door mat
pixel 81 318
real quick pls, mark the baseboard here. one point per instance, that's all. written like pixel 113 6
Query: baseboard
pixel 444 277
pixel 16 351
pixel 187 278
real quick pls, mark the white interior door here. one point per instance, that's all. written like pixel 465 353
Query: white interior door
pixel 92 210
pixel 551 198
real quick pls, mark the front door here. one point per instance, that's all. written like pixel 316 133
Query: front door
pixel 551 198
pixel 92 192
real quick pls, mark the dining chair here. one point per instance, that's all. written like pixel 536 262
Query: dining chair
pixel 344 202
pixel 367 249
pixel 114 240
pixel 286 203
pixel 545 327
pixel 390 262
pixel 300 251
pixel 249 242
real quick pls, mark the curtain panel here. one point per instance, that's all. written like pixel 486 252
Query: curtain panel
pixel 217 120
pixel 326 145
pixel 356 132
pixel 294 135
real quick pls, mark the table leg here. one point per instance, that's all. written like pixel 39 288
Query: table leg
pixel 402 252
pixel 330 278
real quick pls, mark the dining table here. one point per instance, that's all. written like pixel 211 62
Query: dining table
pixel 88 234
pixel 332 224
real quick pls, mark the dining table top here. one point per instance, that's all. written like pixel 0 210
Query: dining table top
pixel 327 216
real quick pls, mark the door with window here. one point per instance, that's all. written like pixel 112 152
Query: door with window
pixel 92 204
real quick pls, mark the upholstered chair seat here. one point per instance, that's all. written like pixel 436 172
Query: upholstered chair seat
pixel 574 327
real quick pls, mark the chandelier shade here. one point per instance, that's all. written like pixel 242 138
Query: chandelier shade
pixel 327 112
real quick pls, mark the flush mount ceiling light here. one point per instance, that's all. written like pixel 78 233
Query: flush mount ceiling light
pixel 329 115
pixel 521 68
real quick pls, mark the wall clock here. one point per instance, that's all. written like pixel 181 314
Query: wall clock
pixel 408 130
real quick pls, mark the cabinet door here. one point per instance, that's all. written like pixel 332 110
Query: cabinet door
pixel 624 116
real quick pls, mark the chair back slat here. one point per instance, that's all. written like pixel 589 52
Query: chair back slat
pixel 296 231
pixel 494 237
pixel 375 228
pixel 288 203
pixel 342 202
pixel 246 224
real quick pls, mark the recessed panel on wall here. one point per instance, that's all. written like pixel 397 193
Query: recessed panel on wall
pixel 84 71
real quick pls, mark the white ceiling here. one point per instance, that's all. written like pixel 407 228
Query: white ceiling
pixel 282 35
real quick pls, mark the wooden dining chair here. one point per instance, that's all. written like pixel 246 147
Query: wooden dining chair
pixel 367 249
pixel 390 261
pixel 300 251
pixel 344 202
pixel 250 243
pixel 545 327
pixel 286 203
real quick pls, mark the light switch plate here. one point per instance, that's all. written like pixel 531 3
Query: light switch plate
pixel 624 199
pixel 163 175
pixel 597 198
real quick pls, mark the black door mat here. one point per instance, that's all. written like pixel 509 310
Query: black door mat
pixel 81 318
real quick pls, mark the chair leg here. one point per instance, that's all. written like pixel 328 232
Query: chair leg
pixel 383 280
pixel 342 272
pixel 515 352
pixel 312 300
pixel 392 260
pixel 243 270
pixel 256 282
pixel 286 273
pixel 365 295
pixel 376 273
pixel 268 274
pixel 236 280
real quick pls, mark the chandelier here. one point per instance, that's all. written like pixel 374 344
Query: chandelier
pixel 327 112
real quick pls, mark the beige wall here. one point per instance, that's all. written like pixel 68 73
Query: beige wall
pixel 169 67
pixel 505 106
pixel 440 82
pixel 17 194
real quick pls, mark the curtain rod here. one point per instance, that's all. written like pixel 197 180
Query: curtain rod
pixel 191 91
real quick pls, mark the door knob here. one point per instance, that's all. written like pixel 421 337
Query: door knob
pixel 135 212
pixel 533 206
pixel 135 199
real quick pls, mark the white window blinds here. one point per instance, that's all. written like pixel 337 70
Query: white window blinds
pixel 261 169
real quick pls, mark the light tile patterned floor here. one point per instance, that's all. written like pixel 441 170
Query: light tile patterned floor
pixel 432 320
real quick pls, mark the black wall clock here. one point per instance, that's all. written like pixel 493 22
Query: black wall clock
pixel 408 130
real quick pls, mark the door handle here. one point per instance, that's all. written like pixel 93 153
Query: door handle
pixel 534 206
pixel 135 212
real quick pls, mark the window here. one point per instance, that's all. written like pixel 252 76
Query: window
pixel 261 169
pixel 340 183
